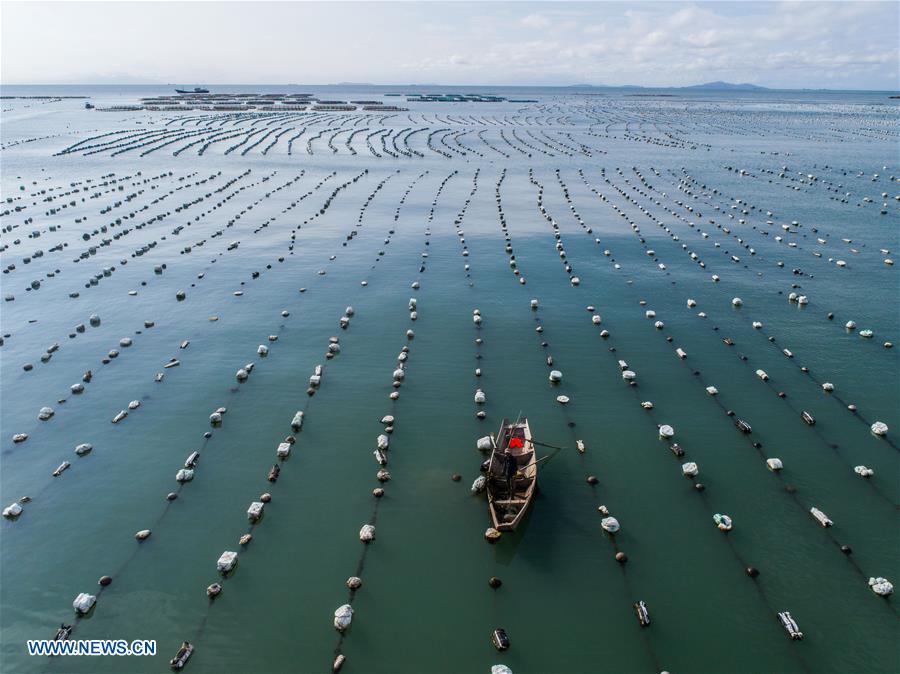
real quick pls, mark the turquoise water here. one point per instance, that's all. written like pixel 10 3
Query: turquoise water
pixel 425 603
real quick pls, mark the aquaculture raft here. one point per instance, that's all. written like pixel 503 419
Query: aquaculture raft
pixel 509 498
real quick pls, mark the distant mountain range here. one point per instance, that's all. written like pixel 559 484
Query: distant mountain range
pixel 711 86
pixel 728 86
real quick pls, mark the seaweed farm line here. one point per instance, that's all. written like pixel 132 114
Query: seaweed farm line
pixel 252 360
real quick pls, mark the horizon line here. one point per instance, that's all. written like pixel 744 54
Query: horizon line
pixel 730 86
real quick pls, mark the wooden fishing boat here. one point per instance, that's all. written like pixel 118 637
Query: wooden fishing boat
pixel 510 490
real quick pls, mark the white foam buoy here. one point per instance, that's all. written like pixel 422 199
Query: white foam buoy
pixel 343 616
pixel 83 603
pixel 821 517
pixel 367 533
pixel 712 390
pixel 736 302
pixel 723 522
pixel 610 524
pixel 879 428
pixel 828 387
pixel 666 431
pixel 255 511
pixel 555 376
pixel 774 464
pixel 562 400
pixel 863 471
pixel 689 469
pixel 227 561
pixel 881 586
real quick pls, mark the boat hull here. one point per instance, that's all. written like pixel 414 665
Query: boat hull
pixel 508 500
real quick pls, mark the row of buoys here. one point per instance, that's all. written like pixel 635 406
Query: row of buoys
pixel 878 428
pixel 343 615
pixel 608 523
pixel 738 302
pixel 798 298
pixel 775 465
pixel 125 342
pixel 690 469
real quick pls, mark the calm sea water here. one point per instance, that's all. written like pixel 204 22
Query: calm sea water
pixel 663 183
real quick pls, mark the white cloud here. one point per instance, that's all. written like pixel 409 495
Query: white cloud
pixel 535 21
pixel 787 44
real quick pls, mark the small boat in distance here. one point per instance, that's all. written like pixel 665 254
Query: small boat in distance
pixel 511 474
pixel 195 90
pixel 181 657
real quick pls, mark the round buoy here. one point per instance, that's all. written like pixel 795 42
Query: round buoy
pixel 171 496
pixel 621 557
pixel 105 580
pixel 495 582
pixel 456 477
pixel 378 492
pixel 592 479
pixel 752 571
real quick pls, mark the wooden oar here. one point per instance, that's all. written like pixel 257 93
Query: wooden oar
pixel 544 444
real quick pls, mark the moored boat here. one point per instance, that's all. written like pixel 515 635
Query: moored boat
pixel 511 474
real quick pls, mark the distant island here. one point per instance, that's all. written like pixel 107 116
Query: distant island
pixel 728 86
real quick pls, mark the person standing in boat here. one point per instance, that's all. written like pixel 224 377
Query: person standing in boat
pixel 511 466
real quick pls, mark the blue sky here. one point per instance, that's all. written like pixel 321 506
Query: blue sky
pixel 807 44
